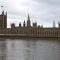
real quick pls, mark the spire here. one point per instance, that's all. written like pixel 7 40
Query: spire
pixel 28 17
pixel 54 24
pixel 28 21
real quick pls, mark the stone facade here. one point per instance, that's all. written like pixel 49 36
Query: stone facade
pixel 32 32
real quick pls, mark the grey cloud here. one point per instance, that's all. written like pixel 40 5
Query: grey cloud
pixel 42 11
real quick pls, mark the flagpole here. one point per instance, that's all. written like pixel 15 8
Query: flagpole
pixel 2 8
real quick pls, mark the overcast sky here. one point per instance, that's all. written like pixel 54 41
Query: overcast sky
pixel 44 12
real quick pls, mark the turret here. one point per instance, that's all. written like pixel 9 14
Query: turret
pixel 35 25
pixel 20 24
pixel 12 25
pixel 24 23
pixel 2 12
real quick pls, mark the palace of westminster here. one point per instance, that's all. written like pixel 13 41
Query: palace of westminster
pixel 27 30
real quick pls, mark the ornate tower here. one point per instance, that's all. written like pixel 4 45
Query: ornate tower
pixel 3 20
pixel 28 21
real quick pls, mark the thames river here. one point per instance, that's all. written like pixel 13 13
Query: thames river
pixel 29 49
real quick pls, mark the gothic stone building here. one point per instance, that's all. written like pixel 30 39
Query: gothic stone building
pixel 26 31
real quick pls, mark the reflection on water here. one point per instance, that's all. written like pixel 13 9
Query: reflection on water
pixel 30 51
pixel 18 49
pixel 2 50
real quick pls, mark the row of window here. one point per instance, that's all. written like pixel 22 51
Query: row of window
pixel 32 32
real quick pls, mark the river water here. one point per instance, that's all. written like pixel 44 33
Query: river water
pixel 29 49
